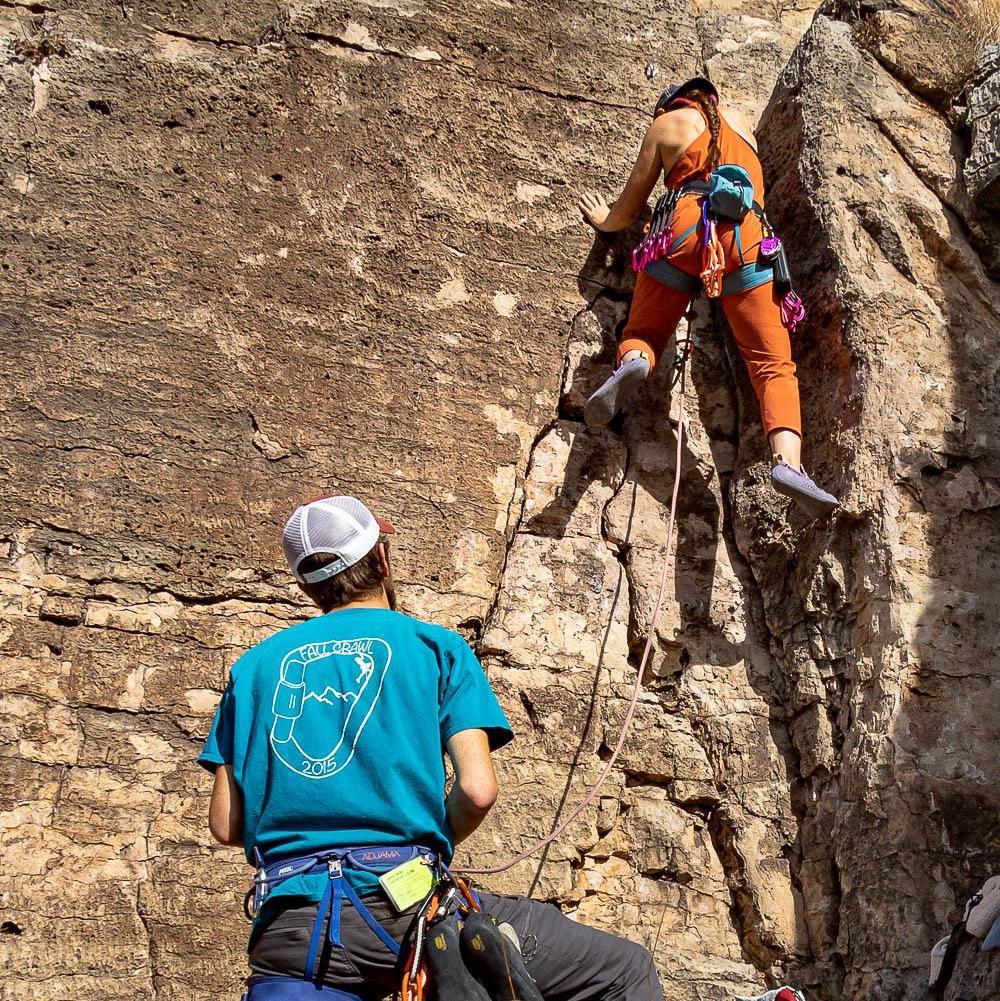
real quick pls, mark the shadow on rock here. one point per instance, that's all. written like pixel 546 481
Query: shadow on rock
pixel 648 432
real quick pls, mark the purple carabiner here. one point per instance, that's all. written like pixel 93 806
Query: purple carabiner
pixel 770 246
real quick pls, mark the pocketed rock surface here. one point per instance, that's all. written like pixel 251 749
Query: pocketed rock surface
pixel 259 252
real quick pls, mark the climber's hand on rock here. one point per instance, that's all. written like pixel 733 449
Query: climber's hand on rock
pixel 594 209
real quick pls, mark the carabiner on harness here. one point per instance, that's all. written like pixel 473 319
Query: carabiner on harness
pixel 435 907
pixel 254 898
pixel 713 264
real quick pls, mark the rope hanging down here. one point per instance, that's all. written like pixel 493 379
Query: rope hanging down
pixel 680 377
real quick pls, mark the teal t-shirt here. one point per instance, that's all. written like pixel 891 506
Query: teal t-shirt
pixel 336 729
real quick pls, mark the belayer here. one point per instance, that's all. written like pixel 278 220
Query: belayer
pixel 708 232
pixel 328 751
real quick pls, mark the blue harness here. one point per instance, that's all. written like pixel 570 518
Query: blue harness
pixel 374 859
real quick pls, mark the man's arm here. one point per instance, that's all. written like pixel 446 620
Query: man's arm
pixel 225 812
pixel 474 790
pixel 640 183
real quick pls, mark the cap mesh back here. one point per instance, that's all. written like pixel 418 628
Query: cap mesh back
pixel 329 529
pixel 341 526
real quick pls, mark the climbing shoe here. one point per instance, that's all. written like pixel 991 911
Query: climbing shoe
pixel 614 391
pixel 796 484
pixel 492 953
pixel 449 974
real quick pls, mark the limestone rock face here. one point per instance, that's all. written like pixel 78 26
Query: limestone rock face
pixel 982 168
pixel 882 620
pixel 259 252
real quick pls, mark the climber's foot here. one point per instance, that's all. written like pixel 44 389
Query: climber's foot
pixel 615 390
pixel 796 484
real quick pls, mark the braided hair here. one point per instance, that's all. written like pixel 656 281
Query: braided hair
pixel 708 103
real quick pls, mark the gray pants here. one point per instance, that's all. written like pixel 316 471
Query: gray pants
pixel 568 961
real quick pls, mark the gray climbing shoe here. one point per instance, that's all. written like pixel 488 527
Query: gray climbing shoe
pixel 796 484
pixel 614 391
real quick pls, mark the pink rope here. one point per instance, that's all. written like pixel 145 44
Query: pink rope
pixel 636 691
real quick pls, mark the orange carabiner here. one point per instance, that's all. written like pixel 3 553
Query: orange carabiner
pixel 414 990
pixel 711 275
pixel 466 892
pixel 414 982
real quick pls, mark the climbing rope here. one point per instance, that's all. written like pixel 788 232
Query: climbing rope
pixel 680 377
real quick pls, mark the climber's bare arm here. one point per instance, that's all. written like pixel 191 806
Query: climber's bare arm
pixel 474 790
pixel 633 199
pixel 225 812
pixel 665 140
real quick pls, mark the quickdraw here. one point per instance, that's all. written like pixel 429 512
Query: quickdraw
pixel 793 311
pixel 713 260
pixel 658 235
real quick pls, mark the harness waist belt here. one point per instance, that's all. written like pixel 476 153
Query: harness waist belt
pixel 375 859
pixel 703 188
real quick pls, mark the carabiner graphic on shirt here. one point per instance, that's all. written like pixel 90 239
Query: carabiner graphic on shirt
pixel 325 695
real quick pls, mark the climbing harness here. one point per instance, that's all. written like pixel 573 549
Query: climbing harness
pixel 727 195
pixel 377 860
pixel 450 893
pixel 684 348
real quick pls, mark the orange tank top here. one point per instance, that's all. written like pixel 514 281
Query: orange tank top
pixel 740 243
pixel 693 162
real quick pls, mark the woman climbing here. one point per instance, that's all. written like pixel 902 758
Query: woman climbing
pixel 708 231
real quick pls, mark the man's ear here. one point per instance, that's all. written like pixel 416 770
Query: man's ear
pixel 383 560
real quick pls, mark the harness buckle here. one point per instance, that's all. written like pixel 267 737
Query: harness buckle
pixel 256 895
pixel 335 868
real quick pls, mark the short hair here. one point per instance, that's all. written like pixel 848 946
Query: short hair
pixel 363 579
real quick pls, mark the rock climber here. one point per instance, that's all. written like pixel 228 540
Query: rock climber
pixel 328 751
pixel 708 230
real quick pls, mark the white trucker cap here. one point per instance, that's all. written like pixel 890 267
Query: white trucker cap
pixel 340 526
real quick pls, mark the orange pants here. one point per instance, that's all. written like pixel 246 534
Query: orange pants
pixel 754 315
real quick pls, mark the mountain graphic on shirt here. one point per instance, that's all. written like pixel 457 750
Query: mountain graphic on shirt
pixel 331 695
pixel 325 696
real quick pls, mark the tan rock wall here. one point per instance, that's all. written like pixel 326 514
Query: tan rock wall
pixel 259 251
pixel 883 622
